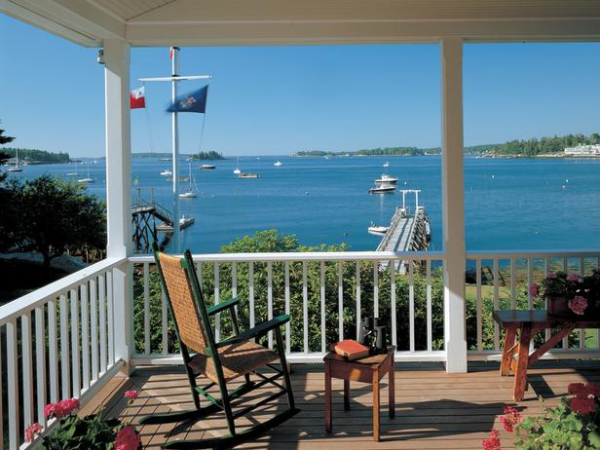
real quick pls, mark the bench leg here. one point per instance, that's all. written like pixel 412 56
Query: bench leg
pixel 376 405
pixel 522 363
pixel 328 416
pixel 508 351
pixel 346 395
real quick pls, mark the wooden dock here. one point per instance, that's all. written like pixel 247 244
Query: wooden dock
pixel 407 232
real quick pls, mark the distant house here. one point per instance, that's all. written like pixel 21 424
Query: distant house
pixel 583 150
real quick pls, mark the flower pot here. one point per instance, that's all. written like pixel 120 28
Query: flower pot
pixel 558 306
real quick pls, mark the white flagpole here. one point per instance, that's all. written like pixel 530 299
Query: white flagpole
pixel 175 143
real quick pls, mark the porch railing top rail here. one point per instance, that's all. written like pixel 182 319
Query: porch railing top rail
pixel 28 302
pixel 523 254
pixel 305 256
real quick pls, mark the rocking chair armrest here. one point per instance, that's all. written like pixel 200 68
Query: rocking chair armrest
pixel 223 305
pixel 257 331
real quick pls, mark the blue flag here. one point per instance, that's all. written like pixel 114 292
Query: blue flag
pixel 193 102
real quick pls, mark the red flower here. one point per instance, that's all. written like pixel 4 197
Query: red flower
pixel 594 389
pixel 61 409
pixel 583 406
pixel 493 442
pixel 534 290
pixel 576 389
pixel 572 277
pixel 578 305
pixel 127 439
pixel 131 395
pixel 510 418
pixel 32 430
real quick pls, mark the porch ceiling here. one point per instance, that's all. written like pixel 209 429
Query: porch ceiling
pixel 272 22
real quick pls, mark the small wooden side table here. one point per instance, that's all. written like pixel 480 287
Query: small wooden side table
pixel 366 370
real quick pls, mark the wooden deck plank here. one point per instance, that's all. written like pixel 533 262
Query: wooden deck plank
pixel 434 410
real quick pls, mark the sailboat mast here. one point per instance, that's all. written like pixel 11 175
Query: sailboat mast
pixel 175 145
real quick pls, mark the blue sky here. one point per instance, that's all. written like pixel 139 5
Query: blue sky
pixel 277 100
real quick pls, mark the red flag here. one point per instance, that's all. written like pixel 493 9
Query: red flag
pixel 171 52
pixel 137 98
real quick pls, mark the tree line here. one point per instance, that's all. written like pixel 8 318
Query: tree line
pixel 543 146
pixel 35 156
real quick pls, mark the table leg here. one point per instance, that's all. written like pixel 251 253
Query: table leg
pixel 508 351
pixel 328 415
pixel 522 363
pixel 392 390
pixel 346 395
pixel 376 405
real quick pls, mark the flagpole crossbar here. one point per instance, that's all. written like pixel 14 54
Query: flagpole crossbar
pixel 177 78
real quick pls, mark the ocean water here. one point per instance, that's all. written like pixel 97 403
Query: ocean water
pixel 510 204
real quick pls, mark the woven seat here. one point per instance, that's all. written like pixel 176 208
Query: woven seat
pixel 236 360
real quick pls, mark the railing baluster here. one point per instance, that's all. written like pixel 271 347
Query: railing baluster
pixel 358 300
pixel 513 285
pixel 234 286
pixel 85 338
pixel 64 348
pixel 547 333
pixel 479 305
pixel 251 293
pixel 323 324
pixel 75 354
pixel 12 383
pixel 102 308
pixel 111 317
pixel 52 351
pixel 270 298
pixel 429 307
pixel 411 304
pixel 565 268
pixel 40 362
pixel 496 304
pixel 94 327
pixel 581 330
pixel 341 300
pixel 27 369
pixel 146 308
pixel 165 323
pixel 393 301
pixel 288 329
pixel 305 304
pixel 376 289
pixel 217 300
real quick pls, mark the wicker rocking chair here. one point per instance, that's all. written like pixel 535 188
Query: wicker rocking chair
pixel 221 362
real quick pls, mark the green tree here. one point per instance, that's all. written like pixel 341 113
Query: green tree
pixel 4 157
pixel 56 216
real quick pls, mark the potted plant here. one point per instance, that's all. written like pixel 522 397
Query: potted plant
pixel 567 294
pixel 90 432
pixel 573 424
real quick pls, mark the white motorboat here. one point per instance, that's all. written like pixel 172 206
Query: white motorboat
pixel 237 170
pixel 385 189
pixel 386 179
pixel 278 164
pixel 166 173
pixel 375 229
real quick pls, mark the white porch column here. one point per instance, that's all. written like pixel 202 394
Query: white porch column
pixel 118 188
pixel 453 205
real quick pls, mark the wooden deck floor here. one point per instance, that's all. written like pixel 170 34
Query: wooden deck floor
pixel 434 410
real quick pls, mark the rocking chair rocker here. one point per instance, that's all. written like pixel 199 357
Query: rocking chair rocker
pixel 220 362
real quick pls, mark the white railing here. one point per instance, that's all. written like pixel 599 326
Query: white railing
pixel 58 344
pixel 327 293
pixel 502 280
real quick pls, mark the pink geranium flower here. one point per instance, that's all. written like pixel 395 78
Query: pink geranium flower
pixel 572 277
pixel 127 439
pixel 61 409
pixel 510 418
pixel 576 389
pixel 32 430
pixel 578 305
pixel 551 275
pixel 534 289
pixel 493 442
pixel 131 395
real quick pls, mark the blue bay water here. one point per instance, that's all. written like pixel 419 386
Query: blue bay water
pixel 510 204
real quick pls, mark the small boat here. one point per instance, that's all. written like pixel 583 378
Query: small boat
pixel 237 170
pixel 87 179
pixel 278 164
pixel 386 179
pixel 16 167
pixel 386 164
pixel 375 229
pixel 249 175
pixel 190 192
pixel 208 167
pixel 386 189
pixel 165 159
pixel 166 173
